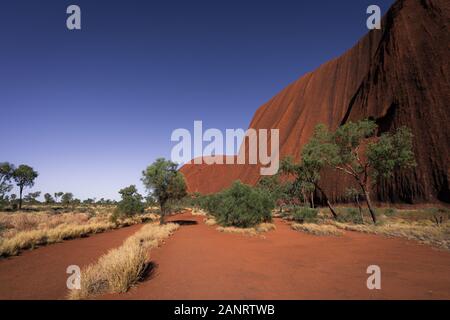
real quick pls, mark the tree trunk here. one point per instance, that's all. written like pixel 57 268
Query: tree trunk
pixel 305 198
pixel 312 200
pixel 369 204
pixel 20 197
pixel 163 213
pixel 333 212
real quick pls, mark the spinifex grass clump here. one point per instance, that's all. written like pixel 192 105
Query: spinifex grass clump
pixel 122 267
pixel 240 206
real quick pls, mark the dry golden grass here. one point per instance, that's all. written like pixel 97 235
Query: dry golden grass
pixel 121 268
pixel 257 230
pixel 28 230
pixel 265 227
pixel 261 228
pixel 198 212
pixel 209 221
pixel 32 238
pixel 423 232
pixel 317 229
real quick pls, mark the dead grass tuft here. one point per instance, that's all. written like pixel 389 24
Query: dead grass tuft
pixel 121 268
pixel 438 236
pixel 317 229
pixel 27 231
pixel 257 230
pixel 198 212
pixel 209 221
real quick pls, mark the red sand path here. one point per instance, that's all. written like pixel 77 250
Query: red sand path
pixel 41 273
pixel 198 262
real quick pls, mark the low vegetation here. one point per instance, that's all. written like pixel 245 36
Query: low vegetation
pixel 253 231
pixel 121 268
pixel 317 229
pixel 418 225
pixel 240 206
pixel 21 231
pixel 305 214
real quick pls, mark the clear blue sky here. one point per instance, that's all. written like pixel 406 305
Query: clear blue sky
pixel 90 109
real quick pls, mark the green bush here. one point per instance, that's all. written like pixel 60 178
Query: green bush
pixel 240 206
pixel 131 202
pixel 351 215
pixel 305 214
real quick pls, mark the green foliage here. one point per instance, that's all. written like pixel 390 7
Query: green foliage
pixel 32 197
pixel 305 214
pixel 391 152
pixel 273 187
pixel 67 198
pixel 48 198
pixel 350 215
pixel 342 150
pixel 131 202
pixel 240 206
pixel 164 182
pixel 303 182
pixel 6 174
pixel 352 194
pixel 24 176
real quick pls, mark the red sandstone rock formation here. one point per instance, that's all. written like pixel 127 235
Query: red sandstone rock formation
pixel 397 76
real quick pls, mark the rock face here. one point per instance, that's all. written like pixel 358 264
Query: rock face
pixel 397 76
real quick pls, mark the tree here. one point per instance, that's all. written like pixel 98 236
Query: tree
pixel 344 150
pixel 32 197
pixel 315 155
pixel 306 174
pixel 164 182
pixel 24 176
pixel 6 174
pixel 67 198
pixel 131 202
pixel 88 201
pixel 58 195
pixel 48 198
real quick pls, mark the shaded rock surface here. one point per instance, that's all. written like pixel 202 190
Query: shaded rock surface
pixel 398 75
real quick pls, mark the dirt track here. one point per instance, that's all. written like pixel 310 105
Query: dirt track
pixel 41 273
pixel 198 262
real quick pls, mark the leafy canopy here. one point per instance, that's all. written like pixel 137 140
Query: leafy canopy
pixel 164 182
pixel 131 202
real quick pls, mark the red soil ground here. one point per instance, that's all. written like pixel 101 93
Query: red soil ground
pixel 41 273
pixel 198 262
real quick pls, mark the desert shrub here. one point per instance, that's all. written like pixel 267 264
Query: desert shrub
pixel 211 202
pixel 350 215
pixel 304 214
pixel 130 204
pixel 240 206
